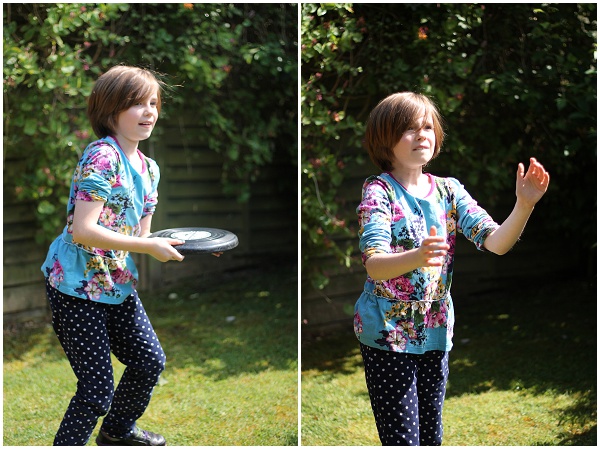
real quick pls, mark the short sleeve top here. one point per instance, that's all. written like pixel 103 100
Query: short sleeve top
pixel 103 174
pixel 413 312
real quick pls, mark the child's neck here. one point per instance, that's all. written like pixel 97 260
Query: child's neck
pixel 128 147
pixel 413 180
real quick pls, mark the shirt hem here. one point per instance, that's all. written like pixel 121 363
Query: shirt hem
pixel 447 348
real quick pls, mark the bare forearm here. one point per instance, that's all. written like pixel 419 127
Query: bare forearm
pixel 87 231
pixel 504 238
pixel 99 237
pixel 384 266
pixel 530 188
pixel 389 266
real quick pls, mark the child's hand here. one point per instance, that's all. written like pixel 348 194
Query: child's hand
pixel 433 249
pixel 163 249
pixel 532 185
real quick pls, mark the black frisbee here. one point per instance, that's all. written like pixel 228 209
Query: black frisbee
pixel 200 240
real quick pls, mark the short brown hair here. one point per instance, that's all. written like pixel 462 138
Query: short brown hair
pixel 391 118
pixel 116 91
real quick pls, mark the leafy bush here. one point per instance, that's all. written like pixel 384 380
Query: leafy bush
pixel 234 67
pixel 512 81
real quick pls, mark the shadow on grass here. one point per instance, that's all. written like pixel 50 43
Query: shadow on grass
pixel 244 322
pixel 538 338
pixel 578 415
pixel 234 323
pixel 336 355
pixel 32 341
pixel 535 337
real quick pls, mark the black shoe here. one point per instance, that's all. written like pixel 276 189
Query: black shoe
pixel 137 438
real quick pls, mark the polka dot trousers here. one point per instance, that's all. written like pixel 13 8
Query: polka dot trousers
pixel 88 331
pixel 407 395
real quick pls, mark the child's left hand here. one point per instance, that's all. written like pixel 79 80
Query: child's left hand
pixel 532 185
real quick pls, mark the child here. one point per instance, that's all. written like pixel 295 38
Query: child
pixel 91 276
pixel 409 219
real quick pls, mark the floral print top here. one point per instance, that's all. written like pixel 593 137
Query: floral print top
pixel 103 174
pixel 413 313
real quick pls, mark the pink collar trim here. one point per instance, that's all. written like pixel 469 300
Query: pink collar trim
pixel 431 181
pixel 140 154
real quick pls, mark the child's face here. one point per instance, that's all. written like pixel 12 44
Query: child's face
pixel 417 145
pixel 137 122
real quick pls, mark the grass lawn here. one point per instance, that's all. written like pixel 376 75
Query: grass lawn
pixel 231 376
pixel 522 373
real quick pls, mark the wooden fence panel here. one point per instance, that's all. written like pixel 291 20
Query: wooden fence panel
pixel 190 194
pixel 24 294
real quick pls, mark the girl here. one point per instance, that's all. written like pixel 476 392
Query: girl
pixel 90 273
pixel 409 219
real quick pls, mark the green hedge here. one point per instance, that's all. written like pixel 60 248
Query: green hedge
pixel 234 66
pixel 511 80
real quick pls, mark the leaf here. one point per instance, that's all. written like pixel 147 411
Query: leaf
pixel 30 127
pixel 46 208
pixel 67 70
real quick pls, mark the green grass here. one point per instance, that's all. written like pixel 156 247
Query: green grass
pixel 227 382
pixel 522 373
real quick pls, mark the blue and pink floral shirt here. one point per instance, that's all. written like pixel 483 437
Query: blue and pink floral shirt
pixel 413 313
pixel 103 174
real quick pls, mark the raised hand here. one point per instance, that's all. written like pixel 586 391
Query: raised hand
pixel 532 185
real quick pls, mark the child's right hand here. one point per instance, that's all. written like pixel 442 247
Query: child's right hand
pixel 431 253
pixel 162 249
pixel 433 249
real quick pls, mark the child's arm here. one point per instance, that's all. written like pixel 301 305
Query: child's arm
pixel 431 253
pixel 88 232
pixel 146 226
pixel 530 189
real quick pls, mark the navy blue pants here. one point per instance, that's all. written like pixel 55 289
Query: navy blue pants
pixel 407 395
pixel 88 332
